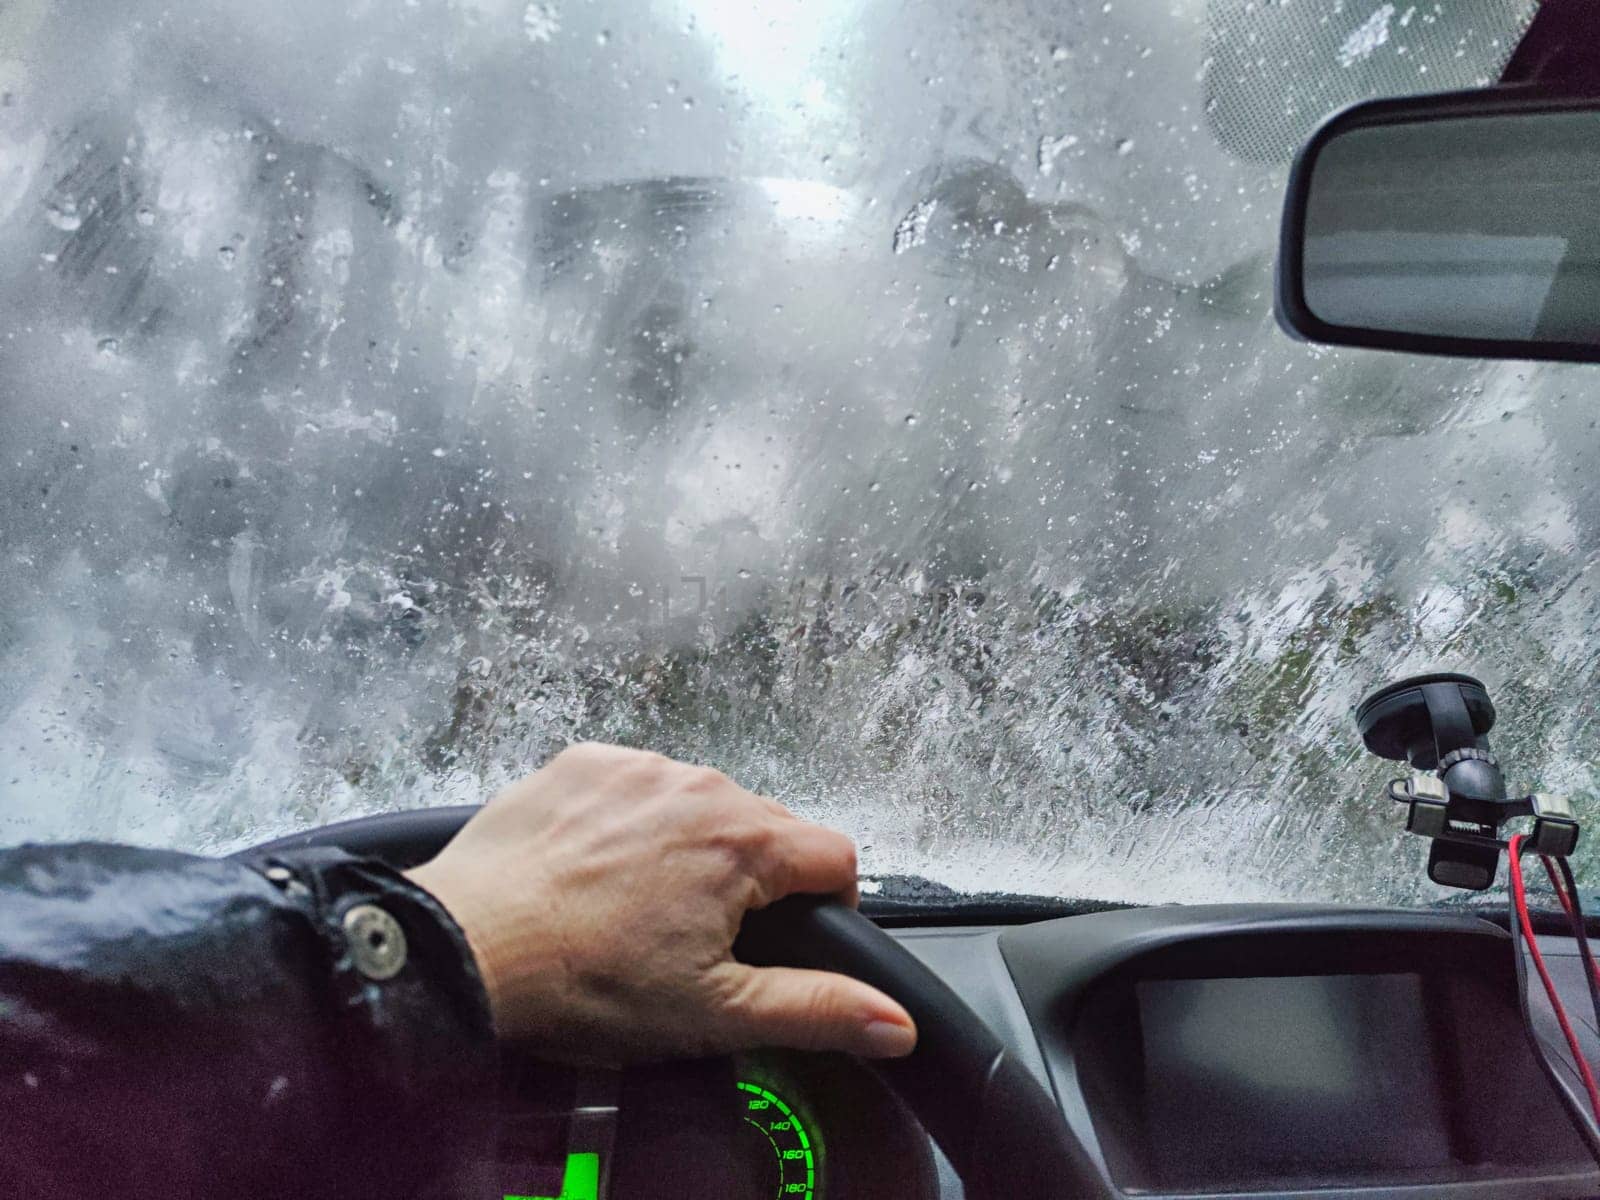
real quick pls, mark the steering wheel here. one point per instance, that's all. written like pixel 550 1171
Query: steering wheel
pixel 995 1122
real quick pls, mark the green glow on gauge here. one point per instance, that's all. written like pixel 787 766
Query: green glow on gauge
pixel 787 1135
pixel 581 1182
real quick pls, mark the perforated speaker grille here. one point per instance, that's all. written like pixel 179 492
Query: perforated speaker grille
pixel 1275 68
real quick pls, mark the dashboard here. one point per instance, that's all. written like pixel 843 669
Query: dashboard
pixel 1270 1051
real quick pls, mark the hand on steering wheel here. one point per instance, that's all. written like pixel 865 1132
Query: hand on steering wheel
pixel 601 897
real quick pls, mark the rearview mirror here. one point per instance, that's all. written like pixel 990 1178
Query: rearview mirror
pixel 1466 223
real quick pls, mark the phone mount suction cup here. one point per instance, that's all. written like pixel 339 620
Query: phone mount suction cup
pixel 1456 795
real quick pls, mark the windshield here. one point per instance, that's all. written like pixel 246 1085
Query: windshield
pixel 879 402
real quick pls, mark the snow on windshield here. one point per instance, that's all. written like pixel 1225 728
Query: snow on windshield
pixel 880 403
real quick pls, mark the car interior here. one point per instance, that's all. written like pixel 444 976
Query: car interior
pixel 1254 1049
pixel 1272 1049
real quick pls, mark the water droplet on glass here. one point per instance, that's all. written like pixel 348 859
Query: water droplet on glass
pixel 64 215
pixel 438 452
pixel 603 38
pixel 541 22
pixel 911 419
pixel 912 230
pixel 1050 148
pixel 744 573
pixel 874 486
pixel 226 255
pixel 107 346
pixel 1366 37
pixel 145 217
pixel 950 301
pixel 1124 145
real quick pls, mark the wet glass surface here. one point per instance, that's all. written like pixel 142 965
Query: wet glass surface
pixel 880 402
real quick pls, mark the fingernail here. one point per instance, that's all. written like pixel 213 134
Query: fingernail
pixel 885 1039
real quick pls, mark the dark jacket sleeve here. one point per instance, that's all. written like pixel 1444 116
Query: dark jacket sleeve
pixel 171 1026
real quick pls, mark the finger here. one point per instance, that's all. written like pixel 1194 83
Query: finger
pixel 814 1010
pixel 809 859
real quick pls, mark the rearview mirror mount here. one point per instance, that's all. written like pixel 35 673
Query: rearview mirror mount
pixel 1466 223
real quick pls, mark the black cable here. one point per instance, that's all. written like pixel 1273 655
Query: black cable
pixel 1575 916
pixel 1581 1120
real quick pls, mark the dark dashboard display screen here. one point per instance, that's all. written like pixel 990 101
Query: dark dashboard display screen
pixel 1253 1080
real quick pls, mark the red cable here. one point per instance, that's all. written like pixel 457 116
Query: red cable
pixel 1555 882
pixel 1519 899
pixel 1566 905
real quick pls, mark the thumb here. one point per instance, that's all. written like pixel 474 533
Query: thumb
pixel 815 1010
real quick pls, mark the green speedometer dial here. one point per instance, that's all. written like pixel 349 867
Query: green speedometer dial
pixel 790 1141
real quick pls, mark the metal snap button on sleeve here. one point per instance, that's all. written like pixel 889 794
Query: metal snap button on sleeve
pixel 377 943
